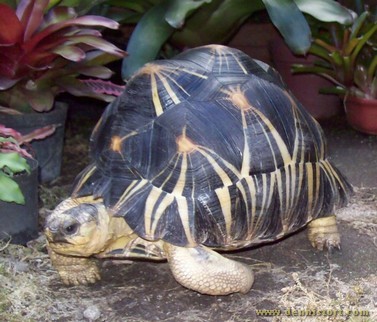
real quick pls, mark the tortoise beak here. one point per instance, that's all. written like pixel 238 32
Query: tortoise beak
pixel 55 236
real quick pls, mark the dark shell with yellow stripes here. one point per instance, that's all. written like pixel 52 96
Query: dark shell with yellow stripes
pixel 211 148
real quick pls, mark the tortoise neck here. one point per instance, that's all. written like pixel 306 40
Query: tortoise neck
pixel 120 235
pixel 119 228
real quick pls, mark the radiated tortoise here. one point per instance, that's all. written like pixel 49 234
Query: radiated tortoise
pixel 205 152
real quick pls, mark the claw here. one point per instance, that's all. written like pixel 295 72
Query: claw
pixel 323 233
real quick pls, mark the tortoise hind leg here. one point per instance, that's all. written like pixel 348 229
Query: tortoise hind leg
pixel 205 271
pixel 323 233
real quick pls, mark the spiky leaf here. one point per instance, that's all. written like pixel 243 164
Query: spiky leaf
pixel 290 21
pixel 149 35
pixel 179 9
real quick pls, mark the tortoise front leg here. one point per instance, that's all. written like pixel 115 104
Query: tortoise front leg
pixel 323 233
pixel 75 270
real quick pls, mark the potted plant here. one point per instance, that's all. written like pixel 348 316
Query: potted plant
pixel 349 60
pixel 47 50
pixel 19 185
pixel 193 23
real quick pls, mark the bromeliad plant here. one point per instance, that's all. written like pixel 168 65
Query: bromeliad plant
pixel 44 49
pixel 348 57
pixel 13 159
pixel 190 23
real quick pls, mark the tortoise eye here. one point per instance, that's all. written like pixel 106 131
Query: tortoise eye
pixel 71 229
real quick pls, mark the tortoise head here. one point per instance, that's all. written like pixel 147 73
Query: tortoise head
pixel 78 227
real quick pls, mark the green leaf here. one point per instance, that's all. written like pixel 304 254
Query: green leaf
pixel 337 58
pixel 372 68
pixel 96 71
pixel 81 6
pixel 335 90
pixel 14 162
pixel 135 5
pixel 10 190
pixel 358 24
pixel 319 51
pixel 215 22
pixel 326 10
pixel 97 58
pixel 310 69
pixel 360 78
pixel 150 34
pixel 179 9
pixel 291 23
pixel 362 41
pixel 41 99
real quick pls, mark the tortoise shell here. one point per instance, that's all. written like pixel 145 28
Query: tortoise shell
pixel 211 148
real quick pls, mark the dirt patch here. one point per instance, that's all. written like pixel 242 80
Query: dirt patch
pixel 290 275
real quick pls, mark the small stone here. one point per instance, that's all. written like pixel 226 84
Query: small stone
pixel 20 267
pixel 92 313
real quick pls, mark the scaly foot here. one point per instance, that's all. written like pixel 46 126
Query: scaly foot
pixel 206 271
pixel 75 270
pixel 323 233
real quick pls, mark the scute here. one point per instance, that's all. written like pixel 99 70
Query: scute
pixel 211 148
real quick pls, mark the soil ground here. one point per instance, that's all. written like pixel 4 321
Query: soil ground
pixel 291 278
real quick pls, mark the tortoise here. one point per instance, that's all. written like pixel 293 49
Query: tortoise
pixel 202 153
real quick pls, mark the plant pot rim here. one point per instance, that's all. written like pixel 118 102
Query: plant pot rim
pixel 361 99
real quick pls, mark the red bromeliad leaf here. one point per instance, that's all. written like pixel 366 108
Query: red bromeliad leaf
pixel 104 87
pixel 9 60
pixel 9 111
pixel 81 21
pixel 97 43
pixel 39 134
pixel 31 15
pixel 11 30
pixel 96 21
pixel 6 131
pixel 78 88
pixel 89 32
pixel 9 147
pixel 58 14
pixel 70 52
pixel 96 71
pixel 5 82
pixel 98 58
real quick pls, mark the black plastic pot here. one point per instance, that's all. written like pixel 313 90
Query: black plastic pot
pixel 48 151
pixel 20 222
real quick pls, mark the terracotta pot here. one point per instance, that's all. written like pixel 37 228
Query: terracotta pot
pixel 305 87
pixel 362 114
pixel 254 39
